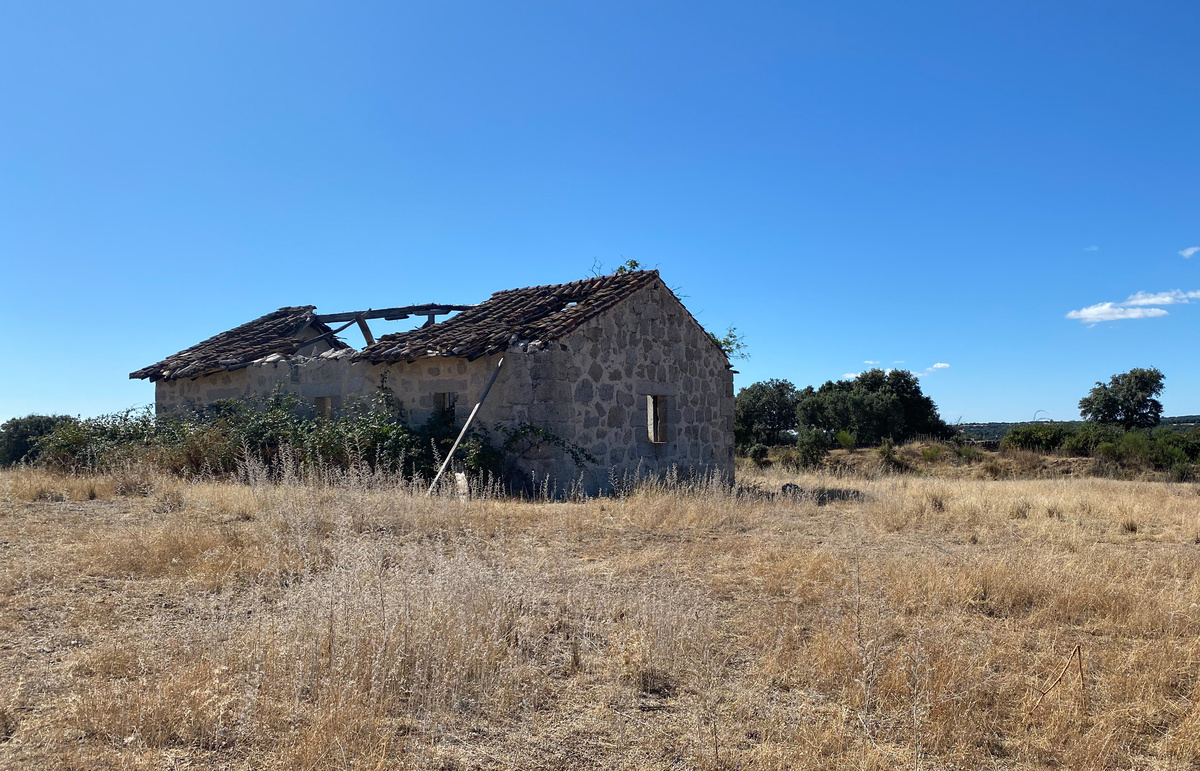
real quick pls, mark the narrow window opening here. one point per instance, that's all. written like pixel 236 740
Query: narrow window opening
pixel 443 405
pixel 656 418
pixel 323 406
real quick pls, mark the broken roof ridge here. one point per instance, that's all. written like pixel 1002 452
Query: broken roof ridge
pixel 544 312
pixel 595 281
pixel 274 332
pixel 398 313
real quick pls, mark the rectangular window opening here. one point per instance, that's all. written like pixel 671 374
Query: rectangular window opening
pixel 656 418
pixel 443 405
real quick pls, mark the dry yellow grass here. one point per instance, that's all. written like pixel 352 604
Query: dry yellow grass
pixel 150 623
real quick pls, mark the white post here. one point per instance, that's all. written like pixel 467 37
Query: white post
pixel 466 426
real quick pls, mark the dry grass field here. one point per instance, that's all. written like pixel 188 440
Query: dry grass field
pixel 150 623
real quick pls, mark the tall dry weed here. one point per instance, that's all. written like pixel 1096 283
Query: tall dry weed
pixel 358 622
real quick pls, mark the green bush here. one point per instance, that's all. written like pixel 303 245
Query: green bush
pixel 19 437
pixel 214 439
pixel 846 440
pixel 107 441
pixel 1184 471
pixel 281 432
pixel 1161 449
pixel 811 447
pixel 758 453
pixel 1087 437
pixel 1037 437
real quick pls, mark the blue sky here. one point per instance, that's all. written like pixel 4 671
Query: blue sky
pixel 912 184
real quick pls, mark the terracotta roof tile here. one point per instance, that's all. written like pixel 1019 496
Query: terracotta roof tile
pixel 274 333
pixel 534 313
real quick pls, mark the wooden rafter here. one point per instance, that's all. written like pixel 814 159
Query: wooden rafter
pixel 392 314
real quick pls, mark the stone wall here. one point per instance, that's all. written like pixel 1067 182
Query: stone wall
pixel 334 375
pixel 323 373
pixel 590 388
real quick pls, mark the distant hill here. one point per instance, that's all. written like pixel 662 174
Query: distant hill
pixel 993 431
pixel 1183 420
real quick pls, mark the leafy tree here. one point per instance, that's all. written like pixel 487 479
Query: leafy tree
pixel 874 406
pixel 763 412
pixel 1127 400
pixel 19 436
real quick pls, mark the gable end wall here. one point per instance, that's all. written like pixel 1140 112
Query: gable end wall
pixel 590 388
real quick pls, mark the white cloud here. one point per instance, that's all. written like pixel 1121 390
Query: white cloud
pixel 1094 314
pixel 1188 252
pixel 868 361
pixel 940 365
pixel 1091 248
pixel 850 375
pixel 1173 297
pixel 1140 305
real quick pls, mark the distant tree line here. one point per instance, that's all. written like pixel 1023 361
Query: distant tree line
pixel 1121 427
pixel 1120 423
pixel 875 406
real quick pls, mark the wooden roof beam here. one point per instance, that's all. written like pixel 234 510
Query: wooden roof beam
pixel 392 314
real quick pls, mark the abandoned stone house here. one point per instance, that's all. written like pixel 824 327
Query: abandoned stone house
pixel 614 364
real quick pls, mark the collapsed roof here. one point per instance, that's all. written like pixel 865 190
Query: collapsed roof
pixel 513 316
pixel 534 313
pixel 281 333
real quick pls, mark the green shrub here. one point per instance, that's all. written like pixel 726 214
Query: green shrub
pixel 846 440
pixel 1087 437
pixel 1183 471
pixel 968 452
pixel 758 453
pixel 216 438
pixel 931 453
pixel 1038 437
pixel 811 447
pixel 108 441
pixel 19 437
pixel 1161 449
pixel 1189 442
pixel 1136 448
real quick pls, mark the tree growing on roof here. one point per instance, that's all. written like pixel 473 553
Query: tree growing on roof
pixel 732 343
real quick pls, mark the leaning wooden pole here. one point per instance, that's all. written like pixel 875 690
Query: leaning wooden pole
pixel 466 426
